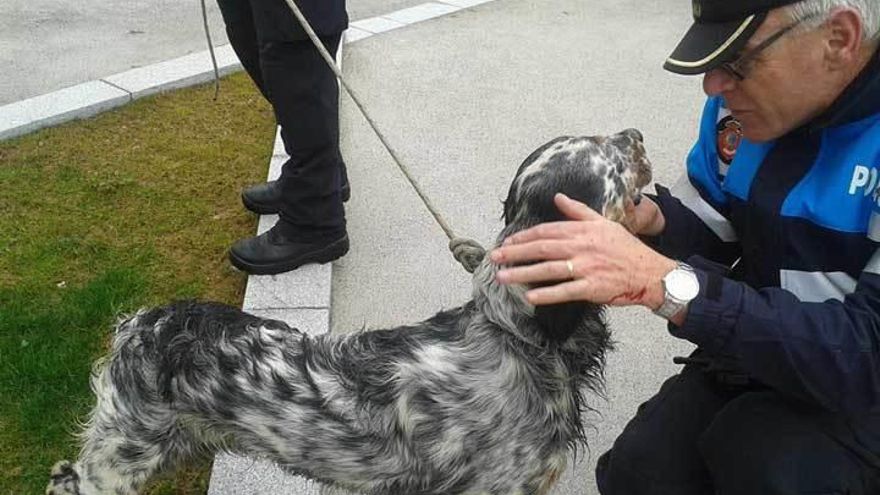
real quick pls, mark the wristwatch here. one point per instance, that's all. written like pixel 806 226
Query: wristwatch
pixel 680 286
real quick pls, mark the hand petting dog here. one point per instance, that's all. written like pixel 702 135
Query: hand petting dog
pixel 593 258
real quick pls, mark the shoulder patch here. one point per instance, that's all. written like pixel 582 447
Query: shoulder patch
pixel 729 135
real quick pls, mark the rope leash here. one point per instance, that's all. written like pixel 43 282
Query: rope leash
pixel 211 50
pixel 468 252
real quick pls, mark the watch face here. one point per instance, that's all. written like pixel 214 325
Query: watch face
pixel 682 284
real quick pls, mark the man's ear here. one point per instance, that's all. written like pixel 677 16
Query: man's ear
pixel 843 41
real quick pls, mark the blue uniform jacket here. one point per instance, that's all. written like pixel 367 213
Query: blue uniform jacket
pixel 798 220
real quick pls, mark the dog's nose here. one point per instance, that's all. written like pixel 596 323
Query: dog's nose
pixel 635 134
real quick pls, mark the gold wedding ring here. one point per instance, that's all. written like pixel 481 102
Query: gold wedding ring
pixel 570 266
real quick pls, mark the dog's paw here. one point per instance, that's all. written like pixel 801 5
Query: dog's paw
pixel 64 480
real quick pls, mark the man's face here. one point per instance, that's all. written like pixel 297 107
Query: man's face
pixel 785 85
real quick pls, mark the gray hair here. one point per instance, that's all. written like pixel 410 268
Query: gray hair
pixel 820 10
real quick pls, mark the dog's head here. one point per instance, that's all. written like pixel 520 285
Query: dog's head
pixel 600 171
pixel 604 172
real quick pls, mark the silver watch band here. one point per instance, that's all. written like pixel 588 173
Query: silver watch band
pixel 672 305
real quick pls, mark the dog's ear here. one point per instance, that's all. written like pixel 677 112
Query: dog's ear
pixel 558 321
pixel 577 185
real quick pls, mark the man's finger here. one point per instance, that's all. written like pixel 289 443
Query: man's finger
pixel 540 272
pixel 549 230
pixel 574 210
pixel 575 290
pixel 541 250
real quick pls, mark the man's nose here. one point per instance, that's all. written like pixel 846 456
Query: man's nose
pixel 717 81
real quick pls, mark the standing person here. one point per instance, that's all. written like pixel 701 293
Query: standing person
pixel 289 71
pixel 765 256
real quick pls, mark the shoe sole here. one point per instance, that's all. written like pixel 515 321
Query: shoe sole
pixel 331 252
pixel 263 209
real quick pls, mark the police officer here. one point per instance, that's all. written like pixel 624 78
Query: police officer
pixel 288 70
pixel 783 393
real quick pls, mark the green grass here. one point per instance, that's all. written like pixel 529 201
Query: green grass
pixel 133 208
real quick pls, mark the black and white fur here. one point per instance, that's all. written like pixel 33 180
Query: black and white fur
pixel 481 399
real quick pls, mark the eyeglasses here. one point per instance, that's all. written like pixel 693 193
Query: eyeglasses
pixel 739 68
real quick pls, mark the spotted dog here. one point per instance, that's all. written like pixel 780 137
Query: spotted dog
pixel 486 398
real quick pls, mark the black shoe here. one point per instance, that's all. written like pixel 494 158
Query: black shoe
pixel 272 252
pixel 265 198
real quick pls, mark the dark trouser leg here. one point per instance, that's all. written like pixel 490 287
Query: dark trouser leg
pixel 657 452
pixel 308 112
pixel 305 97
pixel 239 20
pixel 761 443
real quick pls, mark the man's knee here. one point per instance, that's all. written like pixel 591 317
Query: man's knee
pixel 760 443
pixel 638 465
pixel 656 453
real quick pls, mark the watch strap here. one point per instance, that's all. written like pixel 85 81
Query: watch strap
pixel 672 305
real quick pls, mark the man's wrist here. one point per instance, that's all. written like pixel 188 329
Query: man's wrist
pixel 656 221
pixel 678 318
pixel 655 228
pixel 654 292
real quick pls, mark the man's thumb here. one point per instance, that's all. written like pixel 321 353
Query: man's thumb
pixel 574 210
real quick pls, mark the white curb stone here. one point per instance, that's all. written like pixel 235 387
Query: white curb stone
pixel 422 12
pixel 465 3
pixel 75 102
pixel 306 287
pixel 181 72
pixel 377 25
pixel 354 34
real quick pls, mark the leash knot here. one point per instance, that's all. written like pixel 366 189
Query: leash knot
pixel 468 252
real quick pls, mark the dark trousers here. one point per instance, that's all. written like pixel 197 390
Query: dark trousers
pixel 303 91
pixel 701 437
